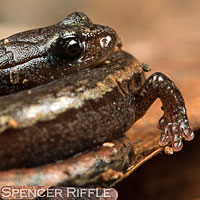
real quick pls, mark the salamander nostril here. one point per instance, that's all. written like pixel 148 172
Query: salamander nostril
pixel 105 41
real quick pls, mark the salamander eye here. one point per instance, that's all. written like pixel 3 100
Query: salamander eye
pixel 65 50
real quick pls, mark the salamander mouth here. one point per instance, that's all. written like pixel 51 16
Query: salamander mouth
pixel 117 47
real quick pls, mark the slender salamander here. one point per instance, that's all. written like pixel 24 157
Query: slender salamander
pixel 68 87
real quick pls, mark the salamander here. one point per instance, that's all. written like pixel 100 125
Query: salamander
pixel 69 87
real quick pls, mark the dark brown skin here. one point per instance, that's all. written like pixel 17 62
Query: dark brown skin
pixel 95 163
pixel 42 55
pixel 90 104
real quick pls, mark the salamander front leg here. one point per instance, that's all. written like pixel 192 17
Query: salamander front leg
pixel 174 122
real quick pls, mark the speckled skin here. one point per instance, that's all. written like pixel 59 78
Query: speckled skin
pixel 174 123
pixel 94 103
pixel 26 58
